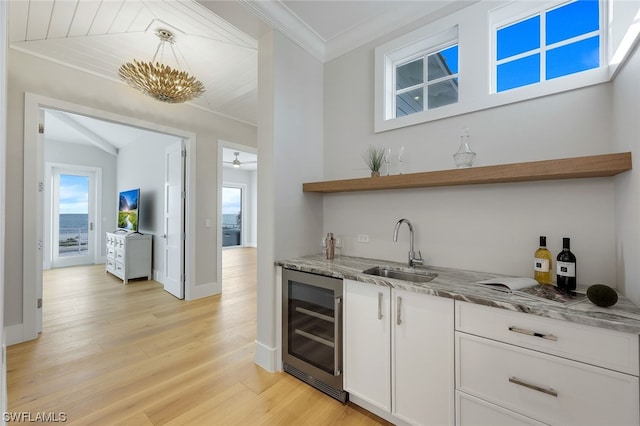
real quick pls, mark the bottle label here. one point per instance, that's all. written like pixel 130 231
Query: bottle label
pixel 541 265
pixel 567 269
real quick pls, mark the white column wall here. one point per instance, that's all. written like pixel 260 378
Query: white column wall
pixel 290 153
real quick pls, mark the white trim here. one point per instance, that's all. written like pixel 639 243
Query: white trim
pixel 626 47
pixel 476 97
pixel 14 334
pixel 95 205
pixel 203 290
pixel 4 36
pixel 266 357
pixel 278 16
pixel 33 104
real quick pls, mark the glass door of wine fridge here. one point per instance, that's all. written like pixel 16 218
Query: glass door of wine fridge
pixel 312 330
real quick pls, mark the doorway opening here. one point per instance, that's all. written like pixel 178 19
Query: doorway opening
pixel 232 204
pixel 33 202
pixel 71 208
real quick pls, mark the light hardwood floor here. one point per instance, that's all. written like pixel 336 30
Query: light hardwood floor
pixel 134 355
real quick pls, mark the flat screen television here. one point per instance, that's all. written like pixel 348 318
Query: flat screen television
pixel 128 208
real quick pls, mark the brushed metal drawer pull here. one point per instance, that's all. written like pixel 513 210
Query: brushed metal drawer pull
pixel 533 333
pixel 380 305
pixel 534 387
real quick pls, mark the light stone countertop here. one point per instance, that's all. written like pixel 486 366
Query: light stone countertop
pixel 460 285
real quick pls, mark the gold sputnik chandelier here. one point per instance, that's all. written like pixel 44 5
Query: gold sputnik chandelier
pixel 160 81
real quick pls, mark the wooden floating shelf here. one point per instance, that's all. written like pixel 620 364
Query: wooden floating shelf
pixel 565 168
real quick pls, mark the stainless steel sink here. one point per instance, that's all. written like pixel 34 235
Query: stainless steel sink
pixel 415 276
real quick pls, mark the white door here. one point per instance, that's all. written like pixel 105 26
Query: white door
pixel 174 220
pixel 73 217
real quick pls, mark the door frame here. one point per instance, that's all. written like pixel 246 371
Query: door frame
pixel 32 238
pixel 48 209
pixel 243 202
pixel 230 145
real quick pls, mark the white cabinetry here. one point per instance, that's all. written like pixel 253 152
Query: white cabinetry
pixel 399 354
pixel 423 358
pixel 129 255
pixel 367 343
pixel 514 368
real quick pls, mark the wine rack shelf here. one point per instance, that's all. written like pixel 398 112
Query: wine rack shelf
pixel 565 168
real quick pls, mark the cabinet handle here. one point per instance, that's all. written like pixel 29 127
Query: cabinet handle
pixel 380 306
pixel 549 391
pixel 533 333
pixel 337 336
pixel 398 314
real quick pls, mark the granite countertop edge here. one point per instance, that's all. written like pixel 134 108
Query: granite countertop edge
pixel 459 285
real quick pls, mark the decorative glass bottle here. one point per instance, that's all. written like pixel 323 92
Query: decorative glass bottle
pixel 464 156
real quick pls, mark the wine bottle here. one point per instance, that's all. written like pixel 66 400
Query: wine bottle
pixel 566 268
pixel 542 263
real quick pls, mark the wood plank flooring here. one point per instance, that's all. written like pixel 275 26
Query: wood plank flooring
pixel 112 354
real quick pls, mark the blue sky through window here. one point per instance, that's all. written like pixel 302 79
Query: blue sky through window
pixel 74 194
pixel 563 24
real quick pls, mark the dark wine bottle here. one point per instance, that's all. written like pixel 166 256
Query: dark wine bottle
pixel 566 268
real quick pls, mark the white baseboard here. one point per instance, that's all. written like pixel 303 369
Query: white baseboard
pixel 201 290
pixel 158 276
pixel 265 357
pixel 14 334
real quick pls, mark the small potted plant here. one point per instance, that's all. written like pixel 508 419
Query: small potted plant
pixel 374 157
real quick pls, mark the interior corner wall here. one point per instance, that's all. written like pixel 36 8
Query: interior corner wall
pixel 290 85
pixel 626 137
pixel 85 155
pixel 493 227
pixel 27 73
pixel 141 164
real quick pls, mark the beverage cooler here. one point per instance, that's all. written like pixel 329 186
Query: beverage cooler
pixel 312 330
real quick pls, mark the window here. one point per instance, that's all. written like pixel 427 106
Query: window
pixel 419 73
pixel 437 82
pixel 548 44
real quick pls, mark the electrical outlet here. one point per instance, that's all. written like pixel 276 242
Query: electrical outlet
pixel 362 238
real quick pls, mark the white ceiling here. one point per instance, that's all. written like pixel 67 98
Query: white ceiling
pixel 216 40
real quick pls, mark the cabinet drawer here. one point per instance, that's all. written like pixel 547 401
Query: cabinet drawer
pixel 471 411
pixel 111 265
pixel 111 252
pixel 120 255
pixel 598 346
pixel 547 388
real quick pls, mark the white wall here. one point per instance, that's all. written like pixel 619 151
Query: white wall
pixel 86 155
pixel 492 228
pixel 31 74
pixel 626 137
pixel 141 164
pixel 232 176
pixel 3 144
pixel 290 153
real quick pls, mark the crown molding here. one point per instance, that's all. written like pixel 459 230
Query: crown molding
pixel 279 17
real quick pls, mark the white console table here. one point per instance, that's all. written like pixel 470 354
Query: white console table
pixel 129 255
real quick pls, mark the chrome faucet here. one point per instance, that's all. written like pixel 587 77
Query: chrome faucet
pixel 413 261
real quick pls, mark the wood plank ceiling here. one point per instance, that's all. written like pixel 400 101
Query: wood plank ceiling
pixel 99 36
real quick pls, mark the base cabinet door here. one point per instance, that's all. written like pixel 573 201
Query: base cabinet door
pixel 423 358
pixel 367 343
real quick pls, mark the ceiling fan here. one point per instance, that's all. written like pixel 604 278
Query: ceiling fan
pixel 236 162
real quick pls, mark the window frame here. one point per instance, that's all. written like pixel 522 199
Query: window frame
pixel 514 13
pixel 475 57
